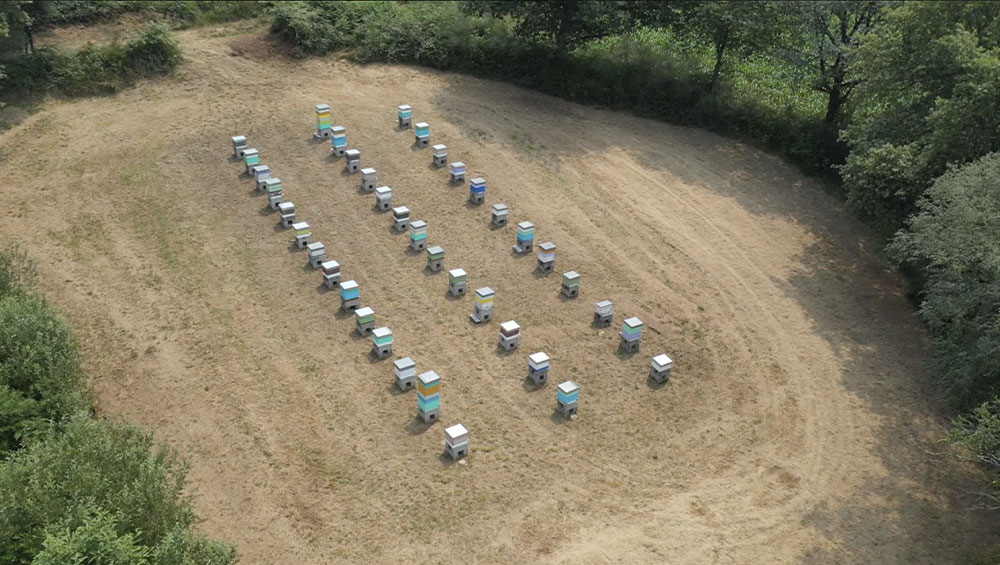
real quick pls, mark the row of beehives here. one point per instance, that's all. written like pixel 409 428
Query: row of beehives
pixel 428 383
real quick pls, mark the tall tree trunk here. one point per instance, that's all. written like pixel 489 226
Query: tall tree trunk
pixel 720 50
pixel 833 104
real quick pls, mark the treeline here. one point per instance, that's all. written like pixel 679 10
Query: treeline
pixel 74 489
pixel 611 54
pixel 97 69
pixel 898 100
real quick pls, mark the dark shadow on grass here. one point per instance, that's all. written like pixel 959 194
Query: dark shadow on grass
pixel 416 426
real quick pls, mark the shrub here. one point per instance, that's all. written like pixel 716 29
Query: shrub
pixel 99 491
pixel 56 12
pixel 17 271
pixel 155 52
pixel 40 379
pixel 93 69
pixel 953 242
pixel 652 73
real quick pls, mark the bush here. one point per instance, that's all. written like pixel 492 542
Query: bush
pixel 979 432
pixel 57 12
pixel 17 271
pixel 40 379
pixel 99 492
pixel 95 70
pixel 652 73
pixel 155 52
pixel 953 242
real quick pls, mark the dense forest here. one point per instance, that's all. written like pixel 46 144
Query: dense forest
pixel 895 103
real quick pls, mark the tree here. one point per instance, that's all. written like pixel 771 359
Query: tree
pixel 99 489
pixel 954 240
pixel 733 27
pixel 12 16
pixel 835 29
pixel 566 24
pixel 40 378
pixel 930 99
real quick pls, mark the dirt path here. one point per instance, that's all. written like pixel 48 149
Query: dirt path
pixel 798 427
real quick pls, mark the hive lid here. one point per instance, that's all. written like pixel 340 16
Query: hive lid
pixel 435 250
pixel 418 225
pixel 400 211
pixel 250 151
pixel 349 285
pixel 404 363
pixel 315 245
pixel 571 275
pixel 261 168
pixel 322 107
pixel 338 129
pixel 478 180
pixel 239 138
pixel 404 107
pixel 272 181
pixel 662 360
pixel 383 190
pixel 510 326
pixel 430 377
pixel 328 265
pixel 539 358
pixel 568 387
pixel 286 206
pixel 458 165
pixel 547 246
pixel 525 226
pixel 364 312
pixel 499 207
pixel 352 152
pixel 604 304
pixel 423 125
pixel 300 226
pixel 379 333
pixel 457 273
pixel 484 291
pixel 439 147
pixel 368 171
pixel 455 432
pixel 633 322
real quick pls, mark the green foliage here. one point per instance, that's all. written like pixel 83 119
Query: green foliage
pixel 155 52
pixel 833 29
pixel 98 491
pixel 565 25
pixel 46 12
pixel 17 271
pixel 75 490
pixel 656 73
pixel 93 69
pixel 979 432
pixel 931 98
pixel 734 27
pixel 96 540
pixel 40 379
pixel 954 240
pixel 59 12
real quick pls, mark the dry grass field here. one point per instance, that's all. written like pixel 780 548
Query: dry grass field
pixel 799 425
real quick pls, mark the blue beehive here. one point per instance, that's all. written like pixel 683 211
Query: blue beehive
pixel 428 396
pixel 477 190
pixel 568 397
pixel 339 140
